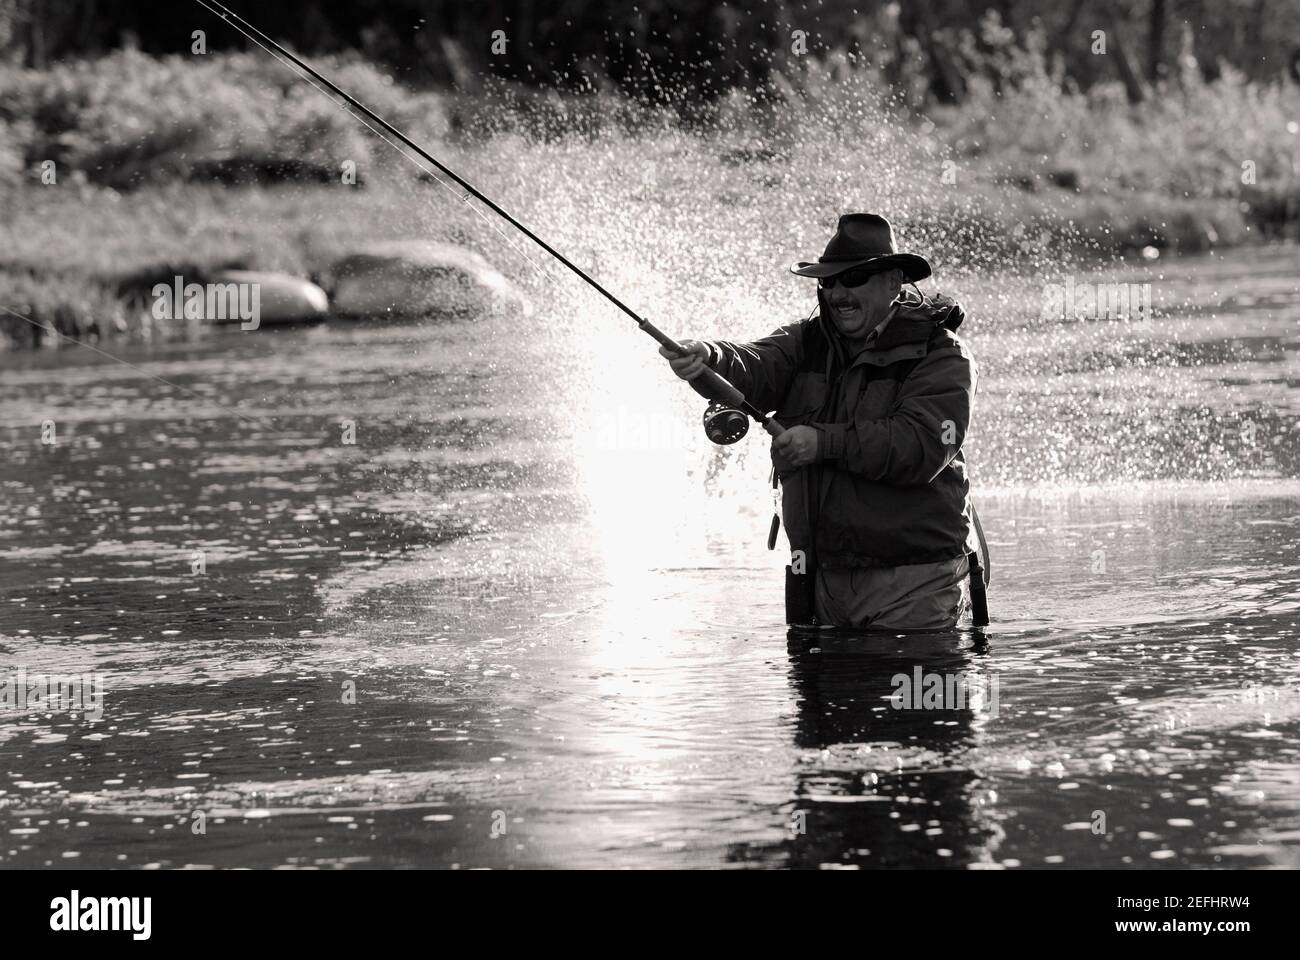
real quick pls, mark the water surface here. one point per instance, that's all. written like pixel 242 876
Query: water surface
pixel 527 617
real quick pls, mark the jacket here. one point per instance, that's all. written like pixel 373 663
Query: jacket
pixel 889 487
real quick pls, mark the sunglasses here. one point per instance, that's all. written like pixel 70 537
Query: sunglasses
pixel 849 278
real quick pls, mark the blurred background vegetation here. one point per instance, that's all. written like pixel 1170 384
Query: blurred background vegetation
pixel 688 48
pixel 999 120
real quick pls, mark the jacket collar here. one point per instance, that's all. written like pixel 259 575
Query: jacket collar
pixel 907 335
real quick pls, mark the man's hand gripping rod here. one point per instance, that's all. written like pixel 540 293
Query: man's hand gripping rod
pixel 717 386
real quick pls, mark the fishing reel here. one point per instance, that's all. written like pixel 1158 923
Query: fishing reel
pixel 724 423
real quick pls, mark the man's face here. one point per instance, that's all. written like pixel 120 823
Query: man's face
pixel 858 310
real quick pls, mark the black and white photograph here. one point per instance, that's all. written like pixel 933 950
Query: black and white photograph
pixel 558 435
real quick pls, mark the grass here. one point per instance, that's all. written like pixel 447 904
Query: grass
pixel 227 160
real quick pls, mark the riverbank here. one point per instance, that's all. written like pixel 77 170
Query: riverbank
pixel 132 165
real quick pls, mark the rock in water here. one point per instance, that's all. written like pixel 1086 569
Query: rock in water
pixel 281 298
pixel 409 278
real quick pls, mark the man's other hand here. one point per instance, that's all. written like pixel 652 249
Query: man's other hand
pixel 691 365
pixel 797 446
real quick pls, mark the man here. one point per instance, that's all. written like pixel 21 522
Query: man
pixel 875 393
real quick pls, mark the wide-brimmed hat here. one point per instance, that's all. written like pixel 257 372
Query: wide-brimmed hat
pixel 862 239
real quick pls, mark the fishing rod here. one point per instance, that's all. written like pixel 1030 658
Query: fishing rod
pixel 726 419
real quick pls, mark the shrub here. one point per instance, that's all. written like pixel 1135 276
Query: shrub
pixel 128 119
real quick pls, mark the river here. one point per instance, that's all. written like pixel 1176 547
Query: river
pixel 456 595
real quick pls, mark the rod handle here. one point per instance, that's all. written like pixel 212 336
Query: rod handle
pixel 719 387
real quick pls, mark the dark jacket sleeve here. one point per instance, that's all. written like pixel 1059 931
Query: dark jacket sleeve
pixel 762 370
pixel 921 435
